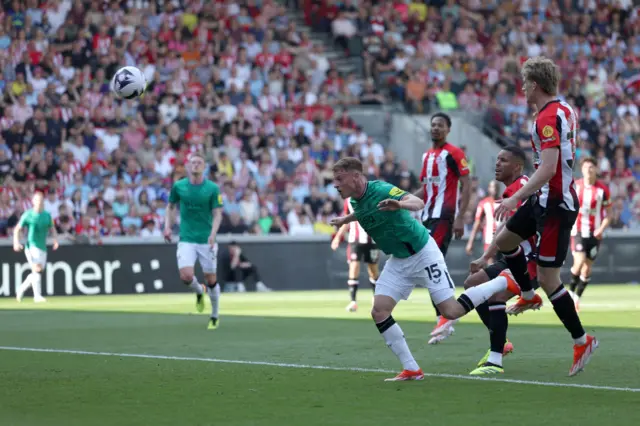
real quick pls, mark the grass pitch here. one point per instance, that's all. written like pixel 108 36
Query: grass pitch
pixel 299 359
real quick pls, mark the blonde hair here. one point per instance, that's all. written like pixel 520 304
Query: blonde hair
pixel 544 72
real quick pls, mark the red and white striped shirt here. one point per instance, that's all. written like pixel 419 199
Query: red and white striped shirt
pixel 555 127
pixel 485 210
pixel 357 234
pixel 594 200
pixel 441 171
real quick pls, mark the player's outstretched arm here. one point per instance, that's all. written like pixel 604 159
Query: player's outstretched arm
pixel 168 221
pixel 406 202
pixel 344 220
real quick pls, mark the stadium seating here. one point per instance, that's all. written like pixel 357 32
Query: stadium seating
pixel 244 83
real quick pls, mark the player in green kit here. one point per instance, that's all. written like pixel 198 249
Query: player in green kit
pixel 39 223
pixel 415 259
pixel 200 205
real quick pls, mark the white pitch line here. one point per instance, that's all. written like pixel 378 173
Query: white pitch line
pixel 315 367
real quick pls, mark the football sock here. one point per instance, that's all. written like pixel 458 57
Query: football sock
pixel 373 284
pixel 498 336
pixel 36 283
pixel 582 285
pixel 566 311
pixel 26 283
pixel 394 338
pixel 575 279
pixel 214 297
pixel 474 296
pixel 438 314
pixel 195 286
pixel 353 289
pixel 517 263
pixel 483 312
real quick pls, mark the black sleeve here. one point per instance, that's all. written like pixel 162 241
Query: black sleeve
pixel 451 163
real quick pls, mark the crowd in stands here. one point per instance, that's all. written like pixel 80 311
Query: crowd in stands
pixel 240 82
pixel 466 55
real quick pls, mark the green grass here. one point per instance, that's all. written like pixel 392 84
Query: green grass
pixel 311 328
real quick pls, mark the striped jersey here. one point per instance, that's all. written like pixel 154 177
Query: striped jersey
pixel 556 126
pixel 485 210
pixel 442 168
pixel 594 200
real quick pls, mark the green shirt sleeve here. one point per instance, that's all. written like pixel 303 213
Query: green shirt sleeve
pixel 174 198
pixel 393 192
pixel 216 198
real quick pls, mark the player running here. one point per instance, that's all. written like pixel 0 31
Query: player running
pixel 415 259
pixel 361 249
pixel 444 169
pixel 509 169
pixel 593 220
pixel 484 216
pixel 550 206
pixel 39 223
pixel 200 205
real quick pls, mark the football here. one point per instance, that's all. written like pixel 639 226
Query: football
pixel 128 83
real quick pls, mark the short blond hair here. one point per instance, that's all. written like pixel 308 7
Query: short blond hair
pixel 544 72
pixel 348 164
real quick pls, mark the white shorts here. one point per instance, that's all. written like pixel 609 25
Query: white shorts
pixel 424 269
pixel 188 253
pixel 35 256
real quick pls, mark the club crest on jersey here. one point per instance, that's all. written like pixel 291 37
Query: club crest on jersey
pixel 547 131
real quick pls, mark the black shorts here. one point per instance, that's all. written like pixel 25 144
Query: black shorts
pixel 552 225
pixel 496 268
pixel 367 253
pixel 441 231
pixel 590 246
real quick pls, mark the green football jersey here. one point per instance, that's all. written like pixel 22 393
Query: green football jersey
pixel 196 204
pixel 38 225
pixel 396 233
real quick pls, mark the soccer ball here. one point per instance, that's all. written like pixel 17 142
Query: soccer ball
pixel 128 83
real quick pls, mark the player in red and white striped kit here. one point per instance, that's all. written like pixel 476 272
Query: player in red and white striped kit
pixel 593 220
pixel 361 249
pixel 551 206
pixel 444 170
pixel 485 219
pixel 509 169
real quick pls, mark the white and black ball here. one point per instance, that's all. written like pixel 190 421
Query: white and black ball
pixel 128 83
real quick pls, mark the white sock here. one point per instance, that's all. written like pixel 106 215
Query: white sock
pixel 528 295
pixel 483 292
pixel 25 284
pixel 214 296
pixel 196 286
pixel 36 284
pixel 581 340
pixel 495 358
pixel 394 337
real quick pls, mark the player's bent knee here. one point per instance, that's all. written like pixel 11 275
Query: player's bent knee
pixel 186 277
pixel 37 268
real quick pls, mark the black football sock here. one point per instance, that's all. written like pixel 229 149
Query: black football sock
pixel 499 324
pixel 566 311
pixel 575 279
pixel 483 312
pixel 517 262
pixel 353 289
pixel 582 285
pixel 373 285
pixel 438 314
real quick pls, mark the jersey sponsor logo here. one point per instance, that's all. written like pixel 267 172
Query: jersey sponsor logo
pixel 394 192
pixel 547 140
pixel 547 131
